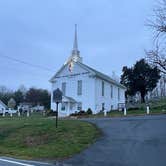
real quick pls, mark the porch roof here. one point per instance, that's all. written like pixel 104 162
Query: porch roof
pixel 68 99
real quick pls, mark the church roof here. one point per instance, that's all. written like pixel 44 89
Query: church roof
pixel 70 99
pixel 4 105
pixel 103 76
pixel 94 71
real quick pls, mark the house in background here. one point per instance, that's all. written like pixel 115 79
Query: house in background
pixel 26 106
pixel 2 107
pixel 84 87
pixel 160 90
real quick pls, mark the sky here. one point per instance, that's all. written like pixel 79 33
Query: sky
pixel 111 34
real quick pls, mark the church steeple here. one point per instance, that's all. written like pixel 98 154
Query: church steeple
pixel 75 50
pixel 75 54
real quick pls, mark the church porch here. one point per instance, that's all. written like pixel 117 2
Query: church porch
pixel 68 106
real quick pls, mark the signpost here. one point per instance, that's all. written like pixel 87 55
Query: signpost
pixel 57 98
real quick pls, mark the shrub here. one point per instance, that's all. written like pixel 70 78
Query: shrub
pixel 133 108
pixel 89 111
pixel 81 112
pixel 73 114
pixel 50 113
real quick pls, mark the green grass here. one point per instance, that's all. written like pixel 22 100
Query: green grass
pixel 37 137
pixel 136 112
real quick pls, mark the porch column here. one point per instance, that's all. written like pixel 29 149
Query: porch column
pixel 68 108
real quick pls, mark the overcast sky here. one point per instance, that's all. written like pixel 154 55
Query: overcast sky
pixel 111 34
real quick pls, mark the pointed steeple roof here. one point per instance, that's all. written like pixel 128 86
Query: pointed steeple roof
pixel 75 50
pixel 75 54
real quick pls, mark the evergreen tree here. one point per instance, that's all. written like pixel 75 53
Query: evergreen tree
pixel 140 78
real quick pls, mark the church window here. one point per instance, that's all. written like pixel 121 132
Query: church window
pixel 63 107
pixel 118 93
pixel 79 106
pixel 111 91
pixel 71 106
pixel 79 87
pixel 103 106
pixel 64 88
pixel 102 88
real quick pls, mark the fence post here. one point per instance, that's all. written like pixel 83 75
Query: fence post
pixel 147 110
pixel 125 111
pixel 105 112
pixel 44 113
pixel 18 113
pixel 27 113
pixel 3 113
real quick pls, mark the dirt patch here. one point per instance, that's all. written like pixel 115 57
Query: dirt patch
pixel 31 141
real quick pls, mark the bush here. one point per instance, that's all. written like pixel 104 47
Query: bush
pixel 51 113
pixel 80 113
pixel 89 111
pixel 133 108
pixel 73 114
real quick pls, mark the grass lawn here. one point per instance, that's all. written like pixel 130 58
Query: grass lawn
pixel 37 137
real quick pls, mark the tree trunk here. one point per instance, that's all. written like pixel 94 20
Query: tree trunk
pixel 142 97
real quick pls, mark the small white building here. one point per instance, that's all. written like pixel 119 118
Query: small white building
pixel 84 87
pixel 2 107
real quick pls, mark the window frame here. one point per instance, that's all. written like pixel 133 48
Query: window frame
pixel 111 91
pixel 102 88
pixel 79 106
pixel 102 106
pixel 79 87
pixel 118 93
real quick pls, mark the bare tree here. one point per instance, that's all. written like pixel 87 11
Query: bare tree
pixel 157 56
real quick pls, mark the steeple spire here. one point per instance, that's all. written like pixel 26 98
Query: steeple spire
pixel 75 50
pixel 75 54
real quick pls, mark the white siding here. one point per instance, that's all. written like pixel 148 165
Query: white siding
pixel 99 99
pixel 91 96
pixel 88 88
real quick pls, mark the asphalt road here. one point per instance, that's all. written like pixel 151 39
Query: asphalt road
pixel 131 141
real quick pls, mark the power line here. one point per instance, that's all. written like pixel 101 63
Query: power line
pixel 26 63
pixel 31 74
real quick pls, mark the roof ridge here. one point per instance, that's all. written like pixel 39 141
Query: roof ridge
pixel 3 103
pixel 102 74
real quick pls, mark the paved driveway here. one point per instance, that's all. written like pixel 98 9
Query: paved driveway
pixel 134 141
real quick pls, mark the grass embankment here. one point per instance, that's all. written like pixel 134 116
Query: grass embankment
pixel 37 137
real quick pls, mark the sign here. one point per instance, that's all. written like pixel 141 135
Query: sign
pixel 57 96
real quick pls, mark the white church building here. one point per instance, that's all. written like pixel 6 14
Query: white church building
pixel 84 87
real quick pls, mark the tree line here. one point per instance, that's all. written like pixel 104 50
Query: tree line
pixel 32 95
